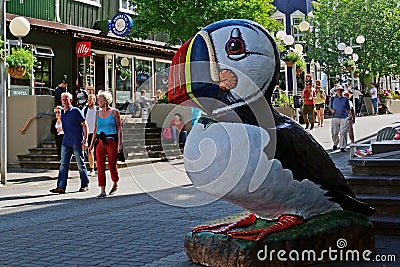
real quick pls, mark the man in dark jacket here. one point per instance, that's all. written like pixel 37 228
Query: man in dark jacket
pixel 61 88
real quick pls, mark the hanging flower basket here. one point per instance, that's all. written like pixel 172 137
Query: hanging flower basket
pixel 299 71
pixel 349 68
pixel 16 72
pixel 290 63
pixel 356 74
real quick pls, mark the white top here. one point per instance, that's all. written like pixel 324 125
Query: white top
pixel 356 93
pixel 91 119
pixel 373 89
pixel 59 125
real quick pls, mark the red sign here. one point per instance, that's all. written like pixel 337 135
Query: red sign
pixel 83 49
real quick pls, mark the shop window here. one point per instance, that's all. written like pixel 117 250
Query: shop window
pixel 86 72
pixel 143 70
pixel 162 69
pixel 123 70
pixel 42 73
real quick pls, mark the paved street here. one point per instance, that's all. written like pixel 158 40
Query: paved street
pixel 143 225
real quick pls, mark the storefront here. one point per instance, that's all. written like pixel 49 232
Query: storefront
pixel 125 75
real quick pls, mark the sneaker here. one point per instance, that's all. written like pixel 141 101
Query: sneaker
pixel 92 173
pixel 113 190
pixel 83 189
pixel 101 196
pixel 334 147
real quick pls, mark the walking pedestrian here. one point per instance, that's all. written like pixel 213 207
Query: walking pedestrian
pixel 340 108
pixel 57 130
pixel 74 142
pixel 319 102
pixel 308 94
pixel 357 100
pixel 177 128
pixel 89 112
pixel 61 88
pixel 107 137
pixel 374 96
pixel 351 118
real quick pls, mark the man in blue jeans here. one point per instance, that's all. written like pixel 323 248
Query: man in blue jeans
pixel 340 108
pixel 74 142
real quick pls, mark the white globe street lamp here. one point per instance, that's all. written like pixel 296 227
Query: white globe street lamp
pixel 299 48
pixel 348 50
pixel 360 39
pixel 288 40
pixel 355 57
pixel 280 35
pixel 304 26
pixel 20 27
pixel 341 46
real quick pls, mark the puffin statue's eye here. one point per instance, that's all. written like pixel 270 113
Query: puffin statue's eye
pixel 235 45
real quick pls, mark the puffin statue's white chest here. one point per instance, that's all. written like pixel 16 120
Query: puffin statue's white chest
pixel 227 160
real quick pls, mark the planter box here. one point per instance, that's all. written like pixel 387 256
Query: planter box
pixel 288 111
pixel 393 105
pixel 368 105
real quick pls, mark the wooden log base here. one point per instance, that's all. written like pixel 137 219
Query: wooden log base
pixel 345 233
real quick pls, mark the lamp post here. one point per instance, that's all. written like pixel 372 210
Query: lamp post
pixel 19 27
pixel 289 40
pixel 348 50
pixel 3 96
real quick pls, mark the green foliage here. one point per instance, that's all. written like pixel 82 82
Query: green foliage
pixel 291 56
pixel 348 63
pixel 180 20
pixel 338 21
pixel 21 57
pixel 163 98
pixel 301 63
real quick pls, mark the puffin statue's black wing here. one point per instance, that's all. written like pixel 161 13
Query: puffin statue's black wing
pixel 298 151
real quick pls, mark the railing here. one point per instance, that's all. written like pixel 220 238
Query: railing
pixel 38 116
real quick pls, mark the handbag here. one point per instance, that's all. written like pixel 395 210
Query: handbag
pixel 167 133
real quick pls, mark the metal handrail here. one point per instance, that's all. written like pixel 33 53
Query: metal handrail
pixel 38 116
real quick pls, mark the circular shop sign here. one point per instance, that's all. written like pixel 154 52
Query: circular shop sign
pixel 121 24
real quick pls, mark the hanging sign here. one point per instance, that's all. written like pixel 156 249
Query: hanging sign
pixel 121 24
pixel 83 49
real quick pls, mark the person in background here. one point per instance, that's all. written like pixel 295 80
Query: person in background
pixel 57 130
pixel 177 126
pixel 107 136
pixel 74 142
pixel 89 112
pixel 340 108
pixel 351 118
pixel 80 97
pixel 374 96
pixel 357 100
pixel 61 88
pixel 144 102
pixel 319 102
pixel 308 95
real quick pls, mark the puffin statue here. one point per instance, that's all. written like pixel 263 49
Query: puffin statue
pixel 242 150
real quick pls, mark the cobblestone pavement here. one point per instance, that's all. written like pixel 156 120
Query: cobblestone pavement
pixel 133 228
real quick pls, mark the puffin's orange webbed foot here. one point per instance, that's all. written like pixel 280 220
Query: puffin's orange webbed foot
pixel 223 228
pixel 284 222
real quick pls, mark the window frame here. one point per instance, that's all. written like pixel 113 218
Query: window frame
pixel 127 10
pixel 90 2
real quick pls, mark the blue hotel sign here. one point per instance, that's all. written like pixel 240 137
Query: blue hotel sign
pixel 121 24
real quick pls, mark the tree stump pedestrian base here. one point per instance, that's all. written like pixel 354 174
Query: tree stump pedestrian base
pixel 338 236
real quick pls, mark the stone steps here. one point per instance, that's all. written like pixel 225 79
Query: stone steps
pixel 141 141
pixel 382 193
pixel 377 164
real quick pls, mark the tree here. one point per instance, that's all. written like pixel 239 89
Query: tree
pixel 337 21
pixel 181 19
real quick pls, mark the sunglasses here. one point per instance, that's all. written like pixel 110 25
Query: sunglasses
pixel 57 112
